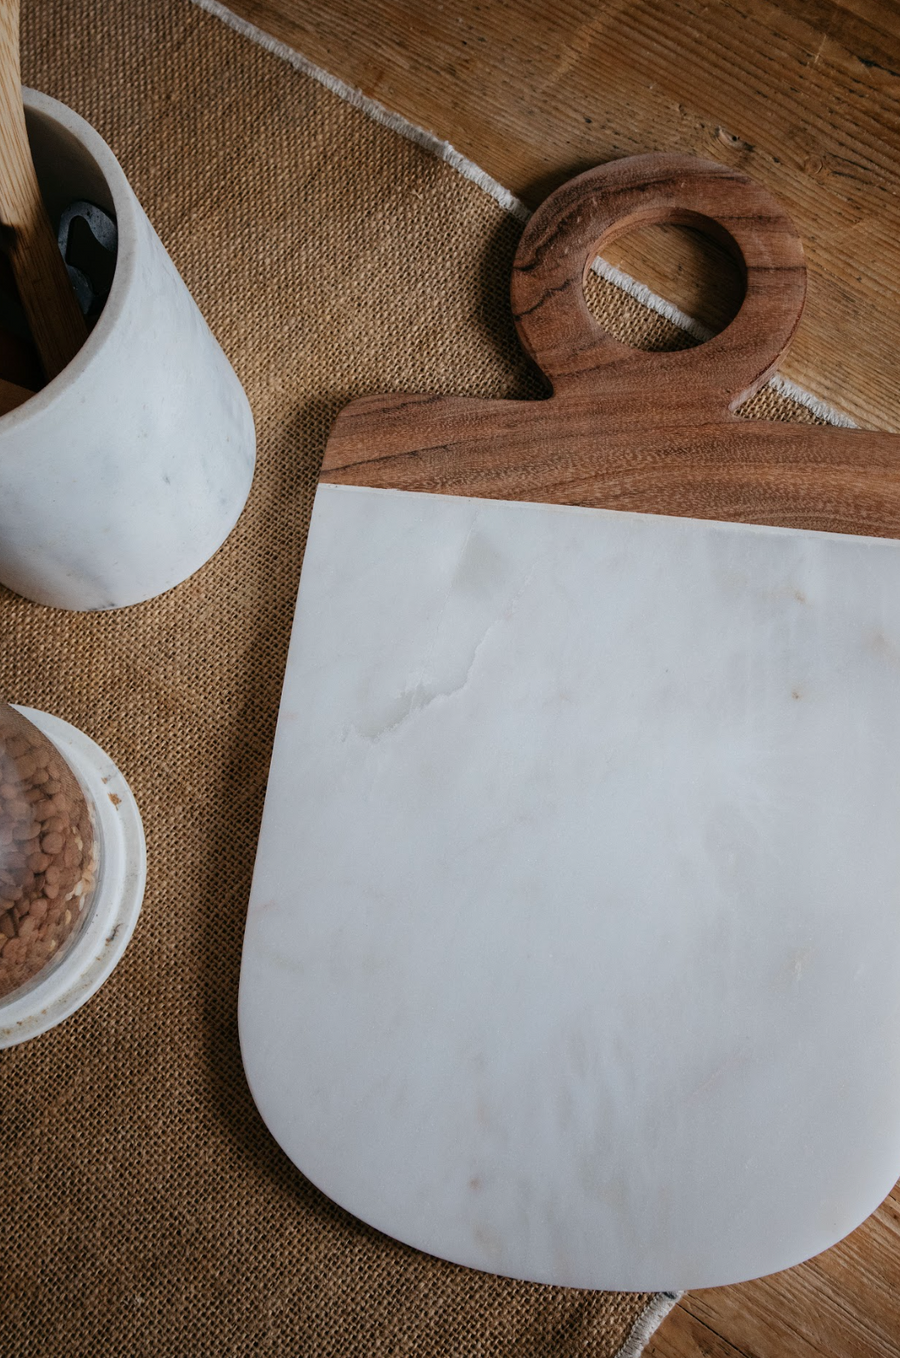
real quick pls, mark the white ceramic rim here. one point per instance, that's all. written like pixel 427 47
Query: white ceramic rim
pixel 126 209
pixel 104 935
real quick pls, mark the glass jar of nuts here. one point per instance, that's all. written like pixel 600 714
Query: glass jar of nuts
pixel 72 867
pixel 48 862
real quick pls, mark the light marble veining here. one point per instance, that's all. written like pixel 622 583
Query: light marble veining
pixel 573 951
pixel 126 472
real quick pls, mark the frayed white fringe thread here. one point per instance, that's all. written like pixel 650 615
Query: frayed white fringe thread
pixel 371 108
pixel 641 293
pixel 508 201
pixel 652 1316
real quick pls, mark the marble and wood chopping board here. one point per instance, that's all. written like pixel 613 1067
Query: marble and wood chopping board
pixel 573 950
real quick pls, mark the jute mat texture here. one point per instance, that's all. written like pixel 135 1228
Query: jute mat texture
pixel 145 1208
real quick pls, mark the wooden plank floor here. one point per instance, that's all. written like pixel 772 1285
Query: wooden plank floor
pixel 805 96
pixel 802 94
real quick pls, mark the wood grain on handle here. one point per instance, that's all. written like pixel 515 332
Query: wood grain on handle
pixel 585 215
pixel 12 396
pixel 653 433
pixel 46 294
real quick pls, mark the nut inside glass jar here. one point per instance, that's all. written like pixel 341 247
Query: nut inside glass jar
pixel 48 857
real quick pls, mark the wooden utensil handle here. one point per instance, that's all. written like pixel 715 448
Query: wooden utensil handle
pixel 46 294
pixel 12 395
pixel 576 222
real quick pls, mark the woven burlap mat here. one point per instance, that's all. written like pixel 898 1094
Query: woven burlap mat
pixel 145 1209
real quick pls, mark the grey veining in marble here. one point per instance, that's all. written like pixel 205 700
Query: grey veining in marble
pixel 573 951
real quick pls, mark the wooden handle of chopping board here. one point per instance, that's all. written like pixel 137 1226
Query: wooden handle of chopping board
pixel 50 305
pixel 650 432
pixel 579 221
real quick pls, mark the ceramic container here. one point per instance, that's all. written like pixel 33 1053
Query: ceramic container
pixel 124 474
pixel 72 870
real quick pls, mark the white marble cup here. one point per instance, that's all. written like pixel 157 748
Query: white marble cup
pixel 124 474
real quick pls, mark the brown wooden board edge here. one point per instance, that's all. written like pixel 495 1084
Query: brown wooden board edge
pixel 651 433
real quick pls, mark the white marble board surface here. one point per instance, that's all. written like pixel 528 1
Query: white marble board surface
pixel 573 951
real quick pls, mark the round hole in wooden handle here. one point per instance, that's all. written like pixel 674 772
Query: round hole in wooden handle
pixel 572 226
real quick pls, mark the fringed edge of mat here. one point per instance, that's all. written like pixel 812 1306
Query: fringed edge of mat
pixel 647 1323
pixel 371 108
pixel 508 201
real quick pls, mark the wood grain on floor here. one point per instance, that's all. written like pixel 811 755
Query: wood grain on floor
pixel 804 95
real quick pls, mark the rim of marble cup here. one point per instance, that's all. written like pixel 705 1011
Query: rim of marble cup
pixel 102 938
pixel 125 206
